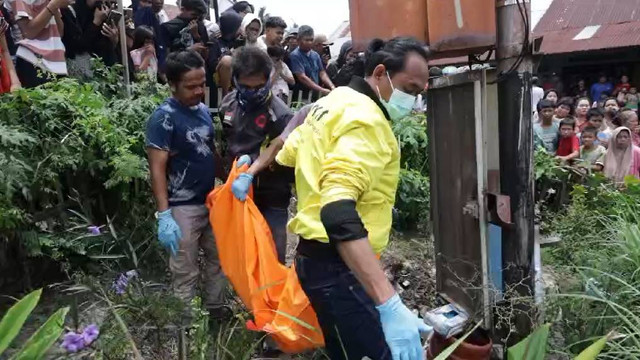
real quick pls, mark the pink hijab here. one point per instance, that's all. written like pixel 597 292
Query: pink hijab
pixel 619 163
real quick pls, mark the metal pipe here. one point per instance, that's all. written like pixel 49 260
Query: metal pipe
pixel 123 49
pixel 516 157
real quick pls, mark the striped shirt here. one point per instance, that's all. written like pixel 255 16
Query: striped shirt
pixel 46 50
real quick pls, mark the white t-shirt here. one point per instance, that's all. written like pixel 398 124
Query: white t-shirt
pixel 279 85
pixel 262 43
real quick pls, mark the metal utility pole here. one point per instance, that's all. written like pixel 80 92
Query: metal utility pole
pixel 123 49
pixel 514 59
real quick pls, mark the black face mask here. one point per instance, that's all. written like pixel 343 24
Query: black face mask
pixel 252 99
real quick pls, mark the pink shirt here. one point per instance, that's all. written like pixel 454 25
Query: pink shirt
pixel 635 163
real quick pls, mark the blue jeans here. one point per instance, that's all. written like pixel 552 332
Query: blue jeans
pixel 277 220
pixel 348 317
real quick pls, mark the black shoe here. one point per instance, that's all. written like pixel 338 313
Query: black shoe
pixel 220 314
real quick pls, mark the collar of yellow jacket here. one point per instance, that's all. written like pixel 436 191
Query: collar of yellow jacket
pixel 362 86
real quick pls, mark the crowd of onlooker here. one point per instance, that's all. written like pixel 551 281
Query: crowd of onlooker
pixel 44 39
pixel 596 129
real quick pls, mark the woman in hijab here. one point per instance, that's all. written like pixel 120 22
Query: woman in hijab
pixel 251 28
pixel 346 66
pixel 622 158
pixel 335 66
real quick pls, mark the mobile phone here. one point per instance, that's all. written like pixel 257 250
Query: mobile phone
pixel 326 51
pixel 114 17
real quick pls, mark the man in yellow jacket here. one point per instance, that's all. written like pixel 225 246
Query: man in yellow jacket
pixel 347 162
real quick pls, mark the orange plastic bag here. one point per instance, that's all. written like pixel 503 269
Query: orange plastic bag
pixel 270 290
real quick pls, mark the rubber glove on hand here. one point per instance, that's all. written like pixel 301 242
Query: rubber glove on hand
pixel 244 159
pixel 169 233
pixel 402 329
pixel 241 185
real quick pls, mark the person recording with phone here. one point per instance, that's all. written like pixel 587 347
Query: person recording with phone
pixel 41 47
pixel 188 32
pixel 91 31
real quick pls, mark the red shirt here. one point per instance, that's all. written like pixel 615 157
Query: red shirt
pixel 566 146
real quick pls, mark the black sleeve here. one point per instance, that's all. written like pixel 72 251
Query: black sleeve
pixel 342 222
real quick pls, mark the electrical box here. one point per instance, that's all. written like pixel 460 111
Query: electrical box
pixel 449 27
pixel 385 19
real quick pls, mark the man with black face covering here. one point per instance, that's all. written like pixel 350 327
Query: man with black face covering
pixel 251 115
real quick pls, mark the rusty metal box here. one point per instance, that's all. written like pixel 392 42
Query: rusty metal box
pixel 461 25
pixel 448 26
pixel 385 19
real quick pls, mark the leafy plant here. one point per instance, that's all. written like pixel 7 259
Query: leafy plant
pixel 411 132
pixel 70 146
pixel 412 199
pixel 38 344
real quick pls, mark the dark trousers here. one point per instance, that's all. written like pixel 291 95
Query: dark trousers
pixel 277 219
pixel 349 320
pixel 28 74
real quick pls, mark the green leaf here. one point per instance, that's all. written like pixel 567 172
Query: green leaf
pixel 533 347
pixel 448 351
pixel 14 319
pixel 592 352
pixel 44 338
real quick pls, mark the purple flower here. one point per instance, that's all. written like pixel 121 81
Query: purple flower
pixel 94 230
pixel 90 334
pixel 120 285
pixel 73 342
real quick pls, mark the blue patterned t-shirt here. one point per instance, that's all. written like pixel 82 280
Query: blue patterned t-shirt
pixel 187 134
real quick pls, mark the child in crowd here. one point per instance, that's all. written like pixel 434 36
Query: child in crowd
pixel 595 117
pixel 281 75
pixel 568 145
pixel 632 99
pixel 591 154
pixel 564 109
pixel 545 132
pixel 143 54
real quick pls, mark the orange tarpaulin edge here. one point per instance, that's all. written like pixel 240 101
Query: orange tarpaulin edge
pixel 269 290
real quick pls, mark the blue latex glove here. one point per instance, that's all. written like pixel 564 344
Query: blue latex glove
pixel 169 233
pixel 241 185
pixel 402 329
pixel 244 159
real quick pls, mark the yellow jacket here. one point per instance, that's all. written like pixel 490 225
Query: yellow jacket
pixel 345 150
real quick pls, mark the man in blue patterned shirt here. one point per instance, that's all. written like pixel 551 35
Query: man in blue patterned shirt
pixel 181 160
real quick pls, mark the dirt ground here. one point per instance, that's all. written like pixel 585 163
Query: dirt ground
pixel 409 263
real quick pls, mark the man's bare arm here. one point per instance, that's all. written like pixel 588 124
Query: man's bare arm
pixel 158 160
pixel 360 258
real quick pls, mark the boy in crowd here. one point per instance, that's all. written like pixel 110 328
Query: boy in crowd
pixel 591 154
pixel 595 117
pixel 568 145
pixel 281 75
pixel 632 99
pixel 564 109
pixel 546 131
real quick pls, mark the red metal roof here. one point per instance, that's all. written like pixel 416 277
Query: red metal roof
pixel 618 21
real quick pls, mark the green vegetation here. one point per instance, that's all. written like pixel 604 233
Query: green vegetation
pixel 597 260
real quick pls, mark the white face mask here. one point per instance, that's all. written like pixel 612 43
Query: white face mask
pixel 194 107
pixel 400 103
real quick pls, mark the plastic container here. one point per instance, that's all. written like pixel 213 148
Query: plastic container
pixel 477 346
